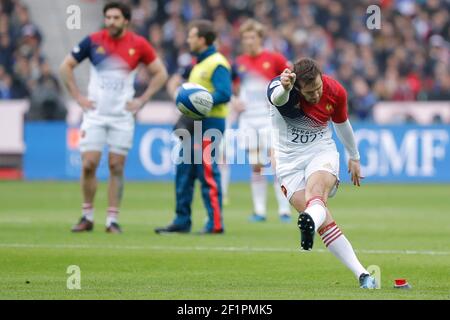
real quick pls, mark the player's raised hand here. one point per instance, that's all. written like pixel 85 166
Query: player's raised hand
pixel 134 105
pixel 85 103
pixel 354 168
pixel 287 79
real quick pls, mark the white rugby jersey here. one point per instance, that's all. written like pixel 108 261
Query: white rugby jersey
pixel 113 68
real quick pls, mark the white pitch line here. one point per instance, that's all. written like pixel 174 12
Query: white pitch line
pixel 218 249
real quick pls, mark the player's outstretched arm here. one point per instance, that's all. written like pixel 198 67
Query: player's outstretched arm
pixel 280 89
pixel 66 72
pixel 159 77
pixel 345 134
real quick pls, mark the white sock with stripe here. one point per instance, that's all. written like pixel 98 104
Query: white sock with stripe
pixel 112 215
pixel 338 244
pixel 284 207
pixel 259 193
pixel 88 211
pixel 316 208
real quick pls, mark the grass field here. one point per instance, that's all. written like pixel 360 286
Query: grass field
pixel 404 229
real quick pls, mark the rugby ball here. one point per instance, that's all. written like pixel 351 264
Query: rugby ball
pixel 194 101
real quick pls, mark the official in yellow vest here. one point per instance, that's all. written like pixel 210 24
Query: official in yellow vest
pixel 213 72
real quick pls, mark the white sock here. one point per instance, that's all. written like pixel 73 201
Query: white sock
pixel 88 211
pixel 225 178
pixel 284 207
pixel 317 210
pixel 112 215
pixel 259 193
pixel 338 244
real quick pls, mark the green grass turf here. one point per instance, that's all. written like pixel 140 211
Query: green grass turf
pixel 251 261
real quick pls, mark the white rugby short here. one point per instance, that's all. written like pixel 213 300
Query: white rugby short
pixel 293 174
pixel 255 133
pixel 117 132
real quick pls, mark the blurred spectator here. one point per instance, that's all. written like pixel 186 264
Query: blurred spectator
pixel 407 59
pixel 11 88
pixel 23 71
pixel 6 52
pixel 397 62
pixel 441 90
pixel 45 101
pixel 362 99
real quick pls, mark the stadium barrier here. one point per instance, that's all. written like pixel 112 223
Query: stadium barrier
pixel 389 153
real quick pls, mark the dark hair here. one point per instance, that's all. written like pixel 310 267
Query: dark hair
pixel 205 29
pixel 124 8
pixel 306 71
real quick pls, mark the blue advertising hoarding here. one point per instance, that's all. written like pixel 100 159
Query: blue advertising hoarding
pixel 404 153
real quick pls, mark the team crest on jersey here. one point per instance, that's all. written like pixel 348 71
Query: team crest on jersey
pixel 328 166
pixel 100 50
pixel 329 108
pixel 131 52
pixel 266 65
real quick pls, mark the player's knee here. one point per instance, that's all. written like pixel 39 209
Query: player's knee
pixel 116 167
pixel 317 190
pixel 89 166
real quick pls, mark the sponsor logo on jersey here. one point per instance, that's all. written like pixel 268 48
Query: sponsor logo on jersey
pixel 131 52
pixel 266 65
pixel 328 166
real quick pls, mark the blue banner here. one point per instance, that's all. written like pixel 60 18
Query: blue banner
pixel 404 153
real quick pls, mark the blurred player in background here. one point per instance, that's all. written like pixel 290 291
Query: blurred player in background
pixel 307 162
pixel 255 68
pixel 109 108
pixel 213 72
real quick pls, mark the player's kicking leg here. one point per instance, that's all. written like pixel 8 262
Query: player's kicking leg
pixel 315 217
pixel 115 191
pixel 90 161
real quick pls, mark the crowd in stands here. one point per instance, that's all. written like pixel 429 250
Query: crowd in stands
pixel 407 59
pixel 24 71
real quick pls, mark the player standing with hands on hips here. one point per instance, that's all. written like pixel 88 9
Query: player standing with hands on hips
pixel 109 109
pixel 307 162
